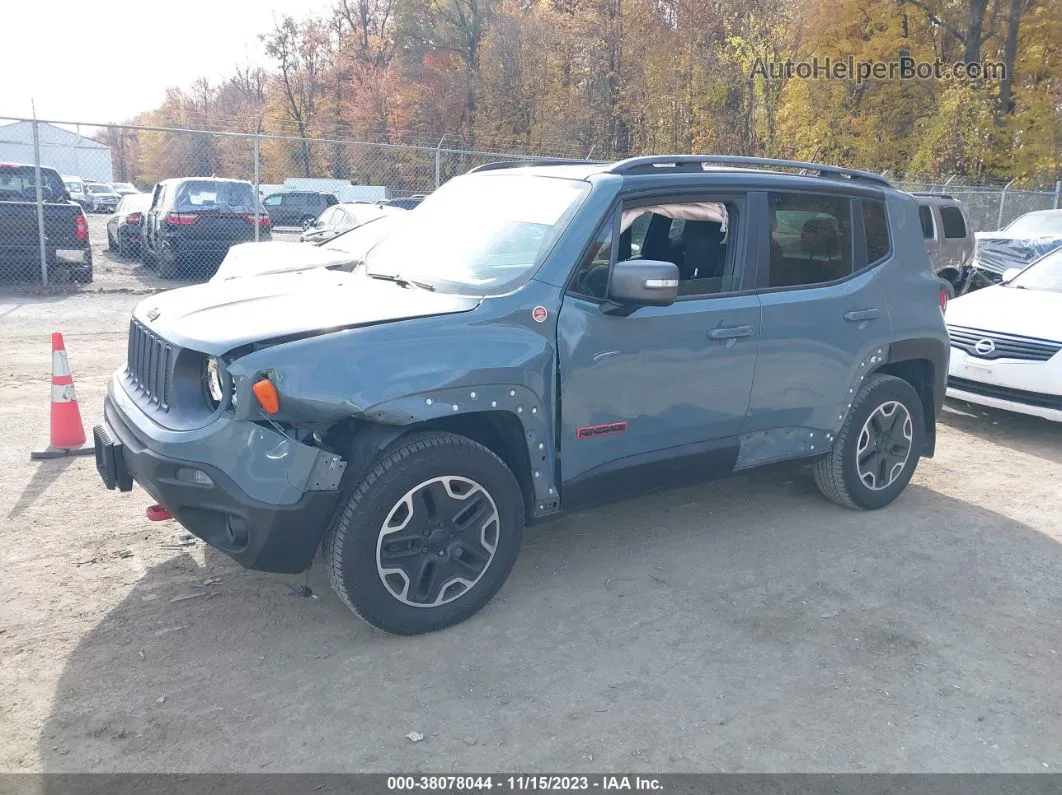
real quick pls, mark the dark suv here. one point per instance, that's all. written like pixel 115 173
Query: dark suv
pixel 297 208
pixel 192 222
pixel 539 337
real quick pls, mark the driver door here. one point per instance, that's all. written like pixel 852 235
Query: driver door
pixel 655 396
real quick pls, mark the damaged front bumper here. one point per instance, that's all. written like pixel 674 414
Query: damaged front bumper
pixel 259 496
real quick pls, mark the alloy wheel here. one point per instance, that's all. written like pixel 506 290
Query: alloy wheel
pixel 884 446
pixel 437 541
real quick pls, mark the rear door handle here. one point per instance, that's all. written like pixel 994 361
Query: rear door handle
pixel 857 315
pixel 730 332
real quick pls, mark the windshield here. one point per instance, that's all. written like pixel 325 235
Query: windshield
pixel 215 195
pixel 479 234
pixel 360 239
pixel 1045 274
pixel 124 186
pixel 73 187
pixel 99 189
pixel 1037 225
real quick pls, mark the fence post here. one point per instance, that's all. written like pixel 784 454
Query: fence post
pixel 438 162
pixel 1058 192
pixel 40 200
pixel 1002 200
pixel 257 201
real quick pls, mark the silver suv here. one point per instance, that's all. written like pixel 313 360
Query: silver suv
pixel 949 237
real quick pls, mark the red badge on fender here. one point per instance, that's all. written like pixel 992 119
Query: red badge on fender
pixel 539 314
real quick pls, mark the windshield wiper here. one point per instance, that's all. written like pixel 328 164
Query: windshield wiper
pixel 401 281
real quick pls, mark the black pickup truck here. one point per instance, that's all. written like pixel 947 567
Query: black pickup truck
pixel 66 238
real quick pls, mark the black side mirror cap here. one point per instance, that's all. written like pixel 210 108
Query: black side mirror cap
pixel 643 282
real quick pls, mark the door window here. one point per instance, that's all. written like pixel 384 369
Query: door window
pixel 811 239
pixel 925 215
pixel 695 236
pixel 953 222
pixel 272 201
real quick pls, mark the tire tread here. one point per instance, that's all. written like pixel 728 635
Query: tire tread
pixel 387 461
pixel 828 470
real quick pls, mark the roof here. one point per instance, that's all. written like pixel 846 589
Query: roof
pixel 21 132
pixel 667 165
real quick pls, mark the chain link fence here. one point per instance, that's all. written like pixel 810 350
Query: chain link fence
pixel 990 207
pixel 163 206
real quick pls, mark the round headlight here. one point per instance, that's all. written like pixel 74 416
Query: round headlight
pixel 214 385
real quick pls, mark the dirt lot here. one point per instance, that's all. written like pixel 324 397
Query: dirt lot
pixel 746 625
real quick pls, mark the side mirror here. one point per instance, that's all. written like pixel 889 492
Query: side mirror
pixel 1010 273
pixel 644 282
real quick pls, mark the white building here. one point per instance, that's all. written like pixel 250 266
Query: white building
pixel 68 153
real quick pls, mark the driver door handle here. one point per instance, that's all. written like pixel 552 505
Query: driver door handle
pixel 730 332
pixel 858 315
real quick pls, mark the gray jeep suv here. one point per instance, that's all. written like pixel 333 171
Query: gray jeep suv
pixel 535 338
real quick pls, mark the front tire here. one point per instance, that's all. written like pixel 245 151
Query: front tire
pixel 429 535
pixel 877 448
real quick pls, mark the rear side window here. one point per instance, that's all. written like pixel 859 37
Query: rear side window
pixel 811 239
pixel 19 183
pixel 953 222
pixel 876 230
pixel 214 195
pixel 925 215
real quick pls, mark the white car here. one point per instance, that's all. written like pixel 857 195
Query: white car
pixel 346 248
pixel 1006 342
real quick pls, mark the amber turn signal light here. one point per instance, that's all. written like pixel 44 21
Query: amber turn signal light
pixel 267 396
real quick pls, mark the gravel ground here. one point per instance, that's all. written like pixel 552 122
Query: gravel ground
pixel 745 625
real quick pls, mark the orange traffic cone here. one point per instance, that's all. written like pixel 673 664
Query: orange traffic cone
pixel 67 432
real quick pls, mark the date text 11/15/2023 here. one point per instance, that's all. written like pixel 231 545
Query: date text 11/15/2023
pixel 523 783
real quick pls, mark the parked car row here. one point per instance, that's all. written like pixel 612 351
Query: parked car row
pixel 188 227
pixel 97 197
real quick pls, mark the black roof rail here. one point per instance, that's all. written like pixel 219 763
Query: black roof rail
pixel 547 161
pixel 696 163
pixel 931 193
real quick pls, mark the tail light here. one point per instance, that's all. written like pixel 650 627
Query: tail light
pixel 943 300
pixel 133 219
pixel 263 219
pixel 81 227
pixel 176 219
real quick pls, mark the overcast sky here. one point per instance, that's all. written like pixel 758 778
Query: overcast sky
pixel 105 61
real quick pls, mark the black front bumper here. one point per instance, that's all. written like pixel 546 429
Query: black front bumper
pixel 256 535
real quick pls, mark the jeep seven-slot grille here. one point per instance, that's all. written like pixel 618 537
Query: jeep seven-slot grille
pixel 993 345
pixel 150 366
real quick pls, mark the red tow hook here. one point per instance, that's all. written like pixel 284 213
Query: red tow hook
pixel 156 513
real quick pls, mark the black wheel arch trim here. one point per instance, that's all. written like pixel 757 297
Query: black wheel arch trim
pixel 931 391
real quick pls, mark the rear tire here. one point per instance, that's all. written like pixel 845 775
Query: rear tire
pixel 877 448
pixel 948 287
pixel 169 264
pixel 110 244
pixel 429 535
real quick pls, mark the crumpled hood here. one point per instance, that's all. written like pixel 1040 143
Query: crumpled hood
pixel 218 316
pixel 257 259
pixel 1008 310
pixel 997 251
